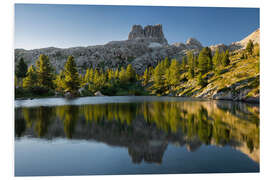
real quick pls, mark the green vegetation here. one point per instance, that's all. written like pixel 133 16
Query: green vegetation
pixel 197 73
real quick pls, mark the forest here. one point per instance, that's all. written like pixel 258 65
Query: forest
pixel 166 78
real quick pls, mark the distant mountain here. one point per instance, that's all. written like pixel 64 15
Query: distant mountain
pixel 254 36
pixel 145 47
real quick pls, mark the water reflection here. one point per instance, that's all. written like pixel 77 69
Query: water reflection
pixel 147 128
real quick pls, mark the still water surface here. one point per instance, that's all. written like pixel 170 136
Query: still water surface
pixel 134 135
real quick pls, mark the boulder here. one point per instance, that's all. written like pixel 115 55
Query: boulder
pixel 98 93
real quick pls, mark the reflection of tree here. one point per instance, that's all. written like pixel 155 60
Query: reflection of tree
pixel 125 124
pixel 69 115
pixel 40 117
pixel 19 124
pixel 44 117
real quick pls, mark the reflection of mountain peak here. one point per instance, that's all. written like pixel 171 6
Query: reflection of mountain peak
pixel 147 152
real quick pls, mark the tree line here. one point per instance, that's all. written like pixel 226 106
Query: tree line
pixel 42 78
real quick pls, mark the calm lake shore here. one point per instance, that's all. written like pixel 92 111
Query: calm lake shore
pixel 143 134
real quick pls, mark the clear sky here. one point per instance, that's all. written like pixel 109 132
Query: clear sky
pixel 38 26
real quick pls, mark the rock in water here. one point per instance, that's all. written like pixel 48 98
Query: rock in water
pixel 98 93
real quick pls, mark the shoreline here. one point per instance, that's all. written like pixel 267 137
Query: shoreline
pixel 251 100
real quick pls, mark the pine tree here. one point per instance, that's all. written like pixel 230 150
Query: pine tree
pixel 172 73
pixel 196 62
pixel 166 62
pixel 250 47
pixel 110 74
pixel 116 74
pixel 204 60
pixel 44 72
pixel 21 69
pixel 217 58
pixel 225 58
pixel 130 73
pixel 184 62
pixel 31 78
pixel 146 77
pixel 191 60
pixel 158 77
pixel 191 64
pixel 210 64
pixel 122 75
pixel 59 81
pixel 191 73
pixel 71 81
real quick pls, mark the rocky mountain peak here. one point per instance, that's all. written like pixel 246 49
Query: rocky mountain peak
pixel 194 43
pixel 151 33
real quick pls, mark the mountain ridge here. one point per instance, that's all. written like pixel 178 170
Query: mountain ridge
pixel 145 47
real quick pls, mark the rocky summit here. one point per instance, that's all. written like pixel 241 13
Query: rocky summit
pixel 145 47
pixel 148 33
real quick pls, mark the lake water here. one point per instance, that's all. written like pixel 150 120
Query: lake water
pixel 135 135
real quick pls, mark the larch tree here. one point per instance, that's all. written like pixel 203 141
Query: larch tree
pixel 146 76
pixel 204 60
pixel 158 77
pixel 130 73
pixel 250 47
pixel 122 75
pixel 173 71
pixel 71 81
pixel 225 58
pixel 31 78
pixel 44 72
pixel 217 58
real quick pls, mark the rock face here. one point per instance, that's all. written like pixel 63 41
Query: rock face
pixel 145 47
pixel 148 33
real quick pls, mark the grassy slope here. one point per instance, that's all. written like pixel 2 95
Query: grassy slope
pixel 240 78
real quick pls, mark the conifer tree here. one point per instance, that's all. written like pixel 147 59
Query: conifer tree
pixel 130 73
pixel 71 81
pixel 191 73
pixel 122 75
pixel 146 77
pixel 21 69
pixel 190 57
pixel 196 63
pixel 31 78
pixel 158 77
pixel 96 79
pixel 166 62
pixel 172 76
pixel 151 71
pixel 110 74
pixel 250 47
pixel 225 58
pixel 184 62
pixel 217 58
pixel 204 60
pixel 116 74
pixel 59 81
pixel 44 72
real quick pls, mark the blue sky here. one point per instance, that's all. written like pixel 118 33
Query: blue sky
pixel 38 25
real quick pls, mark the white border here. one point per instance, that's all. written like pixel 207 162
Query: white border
pixel 7 106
